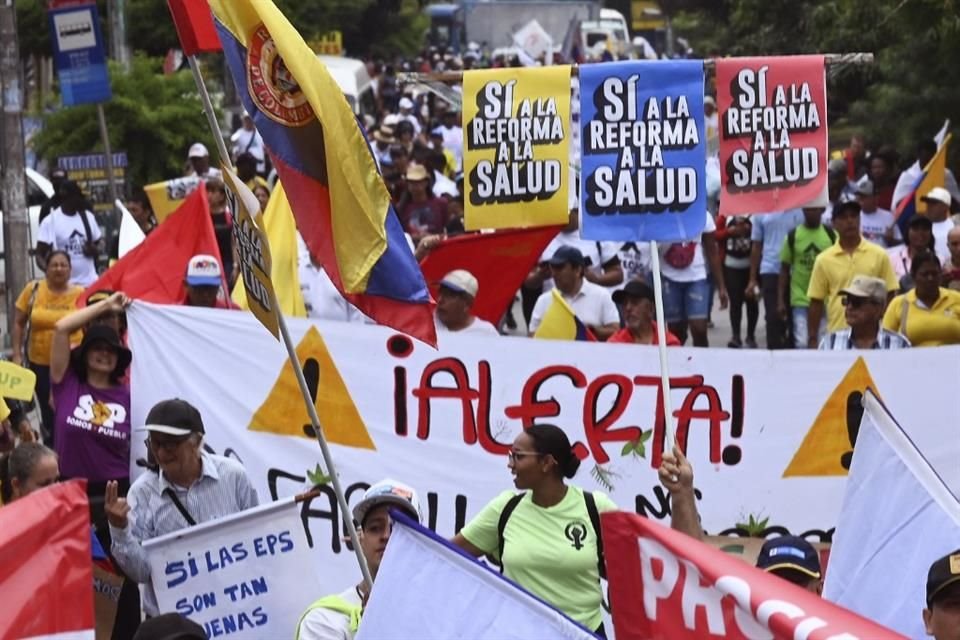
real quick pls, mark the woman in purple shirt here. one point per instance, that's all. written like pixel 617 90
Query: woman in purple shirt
pixel 91 402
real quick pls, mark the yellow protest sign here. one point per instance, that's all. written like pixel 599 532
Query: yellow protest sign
pixel 254 252
pixel 16 382
pixel 516 147
pixel 283 412
pixel 166 196
pixel 828 446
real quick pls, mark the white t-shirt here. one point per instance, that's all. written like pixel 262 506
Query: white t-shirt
pixel 66 233
pixel 874 225
pixel 940 231
pixel 453 140
pixel 597 253
pixel 696 270
pixel 249 142
pixel 592 305
pixel 320 297
pixel 635 262
pixel 479 327
pixel 326 624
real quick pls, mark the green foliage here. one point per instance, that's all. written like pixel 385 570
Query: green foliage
pixel 318 477
pixel 904 96
pixel 754 526
pixel 638 447
pixel 150 28
pixel 152 116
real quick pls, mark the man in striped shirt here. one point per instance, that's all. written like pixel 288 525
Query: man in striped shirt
pixel 190 486
pixel 864 301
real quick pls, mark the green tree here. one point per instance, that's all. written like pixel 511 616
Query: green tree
pixel 903 97
pixel 153 117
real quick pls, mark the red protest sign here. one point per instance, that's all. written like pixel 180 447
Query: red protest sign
pixel 666 586
pixel 773 133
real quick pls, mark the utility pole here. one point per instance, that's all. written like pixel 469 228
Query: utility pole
pixel 13 184
pixel 117 18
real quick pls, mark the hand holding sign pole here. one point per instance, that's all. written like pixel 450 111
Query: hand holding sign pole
pixel 250 236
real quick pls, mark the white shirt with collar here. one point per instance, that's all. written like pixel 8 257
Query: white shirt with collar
pixel 222 489
pixel 592 304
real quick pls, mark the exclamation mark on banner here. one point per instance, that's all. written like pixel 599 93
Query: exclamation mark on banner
pixel 732 453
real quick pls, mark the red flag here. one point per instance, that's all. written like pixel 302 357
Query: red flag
pixel 154 270
pixel 194 24
pixel 500 261
pixel 46 577
pixel 666 586
pixel 773 133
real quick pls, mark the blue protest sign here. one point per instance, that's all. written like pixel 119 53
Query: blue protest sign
pixel 643 150
pixel 78 55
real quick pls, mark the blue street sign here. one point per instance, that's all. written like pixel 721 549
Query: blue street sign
pixel 79 56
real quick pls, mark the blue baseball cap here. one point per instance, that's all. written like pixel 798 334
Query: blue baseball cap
pixel 567 255
pixel 789 552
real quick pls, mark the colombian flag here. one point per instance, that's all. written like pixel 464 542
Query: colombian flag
pixel 561 323
pixel 934 175
pixel 323 159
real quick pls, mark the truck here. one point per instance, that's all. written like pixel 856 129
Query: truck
pixel 492 23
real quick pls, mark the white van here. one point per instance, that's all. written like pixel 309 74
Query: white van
pixel 38 190
pixel 352 77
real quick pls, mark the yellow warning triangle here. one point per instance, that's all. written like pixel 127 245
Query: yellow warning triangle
pixel 284 412
pixel 828 439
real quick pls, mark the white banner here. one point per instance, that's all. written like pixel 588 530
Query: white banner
pixel 767 432
pixel 247 576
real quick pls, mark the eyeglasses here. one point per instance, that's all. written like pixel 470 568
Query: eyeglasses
pixel 854 302
pixel 167 444
pixel 515 456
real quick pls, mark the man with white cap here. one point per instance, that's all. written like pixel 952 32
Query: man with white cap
pixel 187 486
pixel 203 283
pixel 458 290
pixel 199 158
pixel 938 210
pixel 336 617
pixel 406 113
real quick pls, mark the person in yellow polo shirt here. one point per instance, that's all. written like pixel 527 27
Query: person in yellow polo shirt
pixel 929 315
pixel 835 268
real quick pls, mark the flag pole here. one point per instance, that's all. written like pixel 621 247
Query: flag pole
pixel 291 348
pixel 668 430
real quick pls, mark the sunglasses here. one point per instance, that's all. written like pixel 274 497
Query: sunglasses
pixel 854 302
pixel 167 444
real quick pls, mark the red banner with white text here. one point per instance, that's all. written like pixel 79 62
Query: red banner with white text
pixel 666 586
pixel 773 133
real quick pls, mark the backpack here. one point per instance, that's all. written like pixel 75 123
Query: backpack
pixel 792 237
pixel 591 505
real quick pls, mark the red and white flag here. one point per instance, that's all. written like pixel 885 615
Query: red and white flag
pixel 46 577
pixel 666 586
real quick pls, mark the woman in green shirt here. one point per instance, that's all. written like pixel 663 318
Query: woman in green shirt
pixel 545 538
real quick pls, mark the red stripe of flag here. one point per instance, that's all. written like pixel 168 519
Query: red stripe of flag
pixel 194 24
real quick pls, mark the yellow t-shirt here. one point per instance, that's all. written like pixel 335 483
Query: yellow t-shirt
pixel 932 327
pixel 550 552
pixel 834 269
pixel 48 307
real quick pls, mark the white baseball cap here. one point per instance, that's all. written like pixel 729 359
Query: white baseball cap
pixel 462 281
pixel 198 150
pixel 406 103
pixel 938 194
pixel 390 492
pixel 204 271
